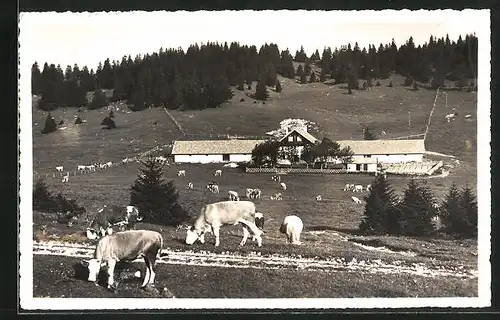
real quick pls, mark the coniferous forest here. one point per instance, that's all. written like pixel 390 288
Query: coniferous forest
pixel 204 76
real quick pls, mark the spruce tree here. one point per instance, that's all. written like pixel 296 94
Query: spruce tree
pixel 108 123
pixel 417 210
pixel 380 215
pixel 278 86
pixel 78 120
pixel 322 75
pixel 300 70
pixel 312 77
pixel 261 91
pixel 156 199
pixel 303 78
pixel 50 125
pixel 468 204
pixel 368 135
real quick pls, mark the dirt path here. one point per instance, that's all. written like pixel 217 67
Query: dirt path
pixel 231 260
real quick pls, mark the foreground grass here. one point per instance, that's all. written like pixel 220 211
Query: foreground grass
pixel 55 277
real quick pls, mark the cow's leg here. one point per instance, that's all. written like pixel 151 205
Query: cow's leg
pixel 152 261
pixel 111 271
pixel 255 231
pixel 245 235
pixel 201 238
pixel 215 230
pixel 147 276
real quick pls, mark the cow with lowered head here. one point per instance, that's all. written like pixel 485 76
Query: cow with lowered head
pixel 125 246
pixel 107 217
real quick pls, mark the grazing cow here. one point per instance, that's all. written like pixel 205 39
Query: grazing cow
pixel 81 168
pixel 356 200
pixel 218 173
pixel 109 164
pixel 319 198
pixel 233 195
pixel 60 169
pixel 190 186
pixel 181 173
pixel 253 193
pixel 66 177
pixel 468 116
pixel 368 187
pixel 358 188
pixel 125 246
pixel 214 188
pixel 276 178
pixel 259 222
pixel 215 215
pixel 348 187
pixel 277 196
pixel 283 186
pixel 450 116
pixel 292 226
pixel 107 217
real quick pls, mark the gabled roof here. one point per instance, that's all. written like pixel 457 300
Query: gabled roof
pixel 360 147
pixel 233 146
pixel 306 135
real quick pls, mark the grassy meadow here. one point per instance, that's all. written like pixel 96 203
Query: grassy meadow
pixel 327 223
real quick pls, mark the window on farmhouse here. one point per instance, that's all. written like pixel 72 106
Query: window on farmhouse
pixel 225 157
pixel 358 167
pixel 290 138
pixel 365 167
pixel 299 139
pixel 367 155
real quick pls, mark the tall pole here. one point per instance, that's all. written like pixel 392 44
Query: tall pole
pixel 409 119
pixel 446 100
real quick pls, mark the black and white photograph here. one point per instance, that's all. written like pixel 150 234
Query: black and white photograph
pixel 254 159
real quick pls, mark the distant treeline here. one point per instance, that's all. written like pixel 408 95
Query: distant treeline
pixel 202 76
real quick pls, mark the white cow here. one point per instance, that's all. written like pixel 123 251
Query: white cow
pixel 292 226
pixel 125 246
pixel 81 168
pixel 276 178
pixel 368 187
pixel 66 177
pixel 233 195
pixel 60 169
pixel 283 186
pixel 356 200
pixel 319 197
pixel 450 116
pixel 190 185
pixel 253 193
pixel 109 164
pixel 358 188
pixel 215 215
pixel 214 188
pixel 181 173
pixel 277 196
pixel 348 187
pixel 218 173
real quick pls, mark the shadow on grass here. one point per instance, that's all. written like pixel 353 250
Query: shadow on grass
pixel 354 232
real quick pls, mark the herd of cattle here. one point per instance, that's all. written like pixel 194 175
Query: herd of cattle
pixel 128 245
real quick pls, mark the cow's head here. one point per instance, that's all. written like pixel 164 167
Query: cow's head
pixel 133 214
pixel 192 235
pixel 93 266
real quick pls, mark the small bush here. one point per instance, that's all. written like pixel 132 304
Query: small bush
pixel 44 201
pixel 242 100
pixel 98 101
pixel 78 120
pixel 50 125
pixel 108 122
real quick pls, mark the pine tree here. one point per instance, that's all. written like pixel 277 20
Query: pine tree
pixel 261 91
pixel 108 122
pixel 468 204
pixel 78 120
pixel 36 79
pixel 300 70
pixel 42 199
pixel 278 86
pixel 50 125
pixel 307 68
pixel 98 100
pixel 322 75
pixel 368 135
pixel 380 215
pixel 303 78
pixel 312 77
pixel 156 199
pixel 417 210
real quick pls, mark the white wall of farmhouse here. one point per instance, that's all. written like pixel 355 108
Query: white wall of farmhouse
pixel 394 158
pixel 240 157
pixel 211 158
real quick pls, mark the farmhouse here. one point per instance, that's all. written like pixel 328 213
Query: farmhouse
pixel 213 151
pixel 362 165
pixel 292 144
pixel 385 151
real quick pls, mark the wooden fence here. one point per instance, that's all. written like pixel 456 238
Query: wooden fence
pixel 294 170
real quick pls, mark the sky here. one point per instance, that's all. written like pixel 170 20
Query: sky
pixel 90 38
